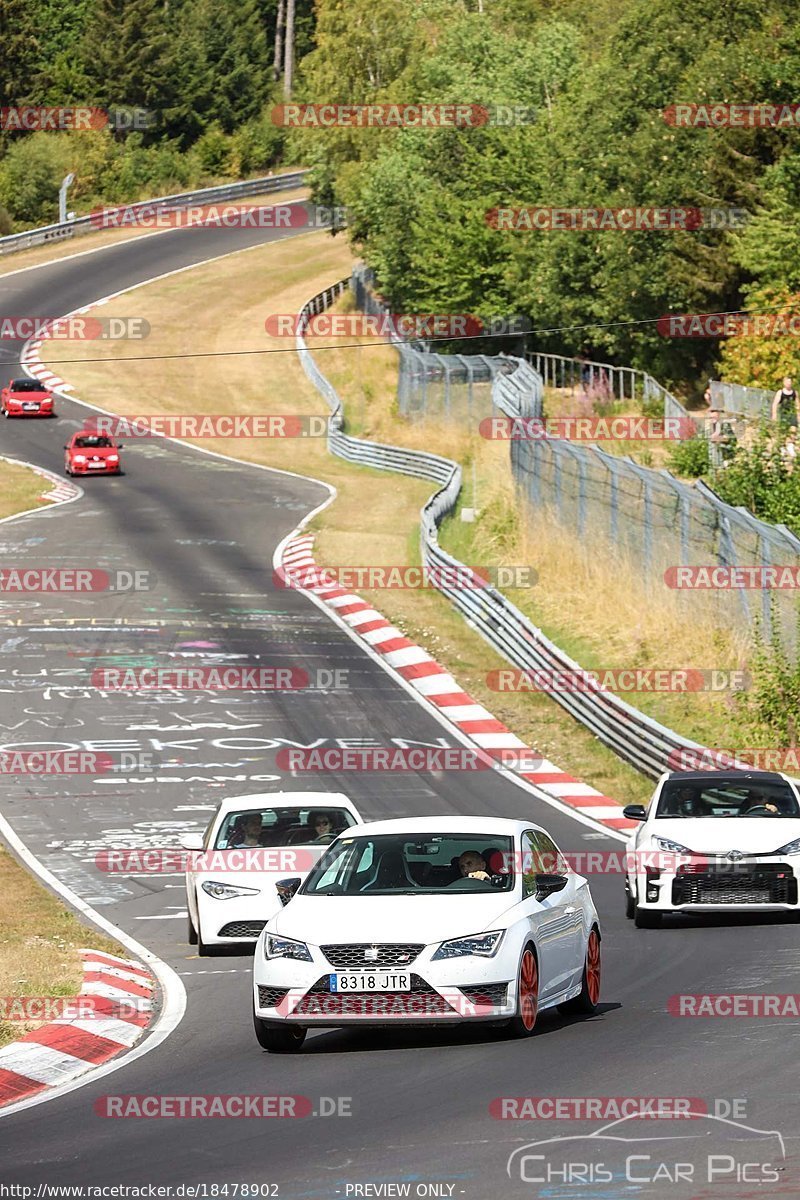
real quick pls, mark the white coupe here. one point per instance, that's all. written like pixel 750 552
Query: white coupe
pixel 250 844
pixel 714 841
pixel 428 920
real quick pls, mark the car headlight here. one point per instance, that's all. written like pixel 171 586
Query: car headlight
pixel 281 947
pixel 483 944
pixel 226 891
pixel 671 847
pixel 79 458
pixel 790 847
pixel 113 458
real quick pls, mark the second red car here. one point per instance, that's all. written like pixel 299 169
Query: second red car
pixel 88 453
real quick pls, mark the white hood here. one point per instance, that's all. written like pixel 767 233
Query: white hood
pixel 323 920
pixel 718 835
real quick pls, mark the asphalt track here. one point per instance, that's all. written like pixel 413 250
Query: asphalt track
pixel 419 1101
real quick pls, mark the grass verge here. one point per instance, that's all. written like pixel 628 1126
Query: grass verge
pixel 20 489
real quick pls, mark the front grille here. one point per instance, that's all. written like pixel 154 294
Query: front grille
pixel 242 929
pixel 270 997
pixel 353 957
pixel 421 1001
pixel 485 994
pixel 743 883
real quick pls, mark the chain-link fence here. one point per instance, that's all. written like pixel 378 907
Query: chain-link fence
pixel 657 522
pixel 755 403
pixel 449 386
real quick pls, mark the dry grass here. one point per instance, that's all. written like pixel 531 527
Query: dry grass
pixel 35 256
pixel 20 489
pixel 39 943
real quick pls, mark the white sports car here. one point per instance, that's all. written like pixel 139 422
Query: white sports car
pixel 250 844
pixel 714 841
pixel 428 920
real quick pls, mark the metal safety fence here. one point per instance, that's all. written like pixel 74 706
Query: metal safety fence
pixel 180 200
pixel 449 386
pixel 644 743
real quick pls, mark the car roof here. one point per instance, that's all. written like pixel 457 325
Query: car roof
pixel 485 825
pixel 716 777
pixel 285 800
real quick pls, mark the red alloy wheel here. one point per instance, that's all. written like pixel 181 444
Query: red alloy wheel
pixel 593 967
pixel 528 990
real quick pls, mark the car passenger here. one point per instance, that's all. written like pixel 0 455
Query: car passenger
pixel 246 832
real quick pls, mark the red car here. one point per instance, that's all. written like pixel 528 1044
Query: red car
pixel 89 453
pixel 26 398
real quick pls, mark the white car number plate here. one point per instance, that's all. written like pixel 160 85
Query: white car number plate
pixel 30 406
pixel 94 466
pixel 370 981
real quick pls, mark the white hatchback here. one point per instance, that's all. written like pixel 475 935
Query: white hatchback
pixel 714 841
pixel 428 920
pixel 250 844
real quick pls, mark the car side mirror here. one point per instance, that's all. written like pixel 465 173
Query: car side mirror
pixel 547 884
pixel 120 446
pixel 286 888
pixel 634 812
pixel 192 841
pixel 66 447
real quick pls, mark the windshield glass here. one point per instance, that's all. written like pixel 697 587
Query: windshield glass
pixel 282 827
pixel 770 798
pixel 27 385
pixel 91 443
pixel 401 864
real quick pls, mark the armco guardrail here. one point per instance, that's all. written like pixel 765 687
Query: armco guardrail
pixel 82 225
pixel 636 738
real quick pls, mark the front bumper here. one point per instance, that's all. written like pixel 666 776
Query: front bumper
pixel 234 922
pixel 13 411
pixel 447 991
pixel 86 469
pixel 765 883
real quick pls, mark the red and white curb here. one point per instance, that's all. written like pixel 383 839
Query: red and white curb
pixel 66 1048
pixel 60 489
pixel 31 355
pixel 439 687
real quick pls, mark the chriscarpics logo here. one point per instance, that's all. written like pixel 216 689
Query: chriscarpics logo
pixel 639 1154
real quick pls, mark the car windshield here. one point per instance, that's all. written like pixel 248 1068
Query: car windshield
pixel 405 864
pixel 27 385
pixel 282 827
pixel 92 443
pixel 750 798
